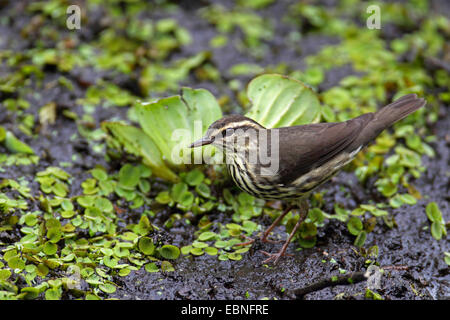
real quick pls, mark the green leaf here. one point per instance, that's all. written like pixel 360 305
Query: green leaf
pixel 107 287
pixel 316 215
pixel 169 252
pixel 124 272
pixel 4 274
pixel 197 251
pixel 67 205
pixel 110 262
pixel 151 267
pixel 104 205
pixel 15 145
pixel 54 235
pixel 199 244
pixel 2 133
pixel 166 266
pixel 228 197
pixel 136 142
pixel 221 244
pixel 447 258
pixel 408 199
pixel 50 248
pixel 360 239
pixel 129 177
pixel 30 293
pixel 42 270
pixel 173 123
pixel 307 230
pixel 53 294
pixel 328 114
pixel 279 101
pixel 245 69
pixel 186 200
pixel 30 220
pixel 307 242
pixel 358 212
pixel 373 295
pixel 185 249
pixel 207 235
pixel 211 251
pixel 99 174
pixel 433 212
pixel 203 190
pixel 194 177
pixel 178 190
pixel 249 226
pixel 234 256
pixel 163 197
pixel 437 230
pixel 146 245
pixel 354 225
pixel 60 189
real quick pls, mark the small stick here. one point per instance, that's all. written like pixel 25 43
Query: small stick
pixel 352 278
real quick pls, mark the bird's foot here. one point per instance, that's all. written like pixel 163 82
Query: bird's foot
pixel 275 256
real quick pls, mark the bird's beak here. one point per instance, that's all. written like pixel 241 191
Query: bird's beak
pixel 201 142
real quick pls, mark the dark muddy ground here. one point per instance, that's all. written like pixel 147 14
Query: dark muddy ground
pixel 414 260
pixel 420 271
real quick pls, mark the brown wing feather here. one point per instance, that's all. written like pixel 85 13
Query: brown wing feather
pixel 305 147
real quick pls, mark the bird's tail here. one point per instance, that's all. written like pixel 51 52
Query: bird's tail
pixel 398 110
pixel 390 114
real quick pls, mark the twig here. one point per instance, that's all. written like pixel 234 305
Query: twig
pixel 352 278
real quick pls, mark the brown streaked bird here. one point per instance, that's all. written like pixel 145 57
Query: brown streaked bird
pixel 306 155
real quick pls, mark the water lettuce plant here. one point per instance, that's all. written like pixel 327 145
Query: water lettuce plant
pixel 167 125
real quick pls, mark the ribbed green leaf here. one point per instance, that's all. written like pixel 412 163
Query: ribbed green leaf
pixel 160 120
pixel 136 142
pixel 279 101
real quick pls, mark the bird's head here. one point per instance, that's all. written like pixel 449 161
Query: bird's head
pixel 229 132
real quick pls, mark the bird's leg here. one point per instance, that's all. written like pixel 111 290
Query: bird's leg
pixel 274 224
pixel 276 256
pixel 269 230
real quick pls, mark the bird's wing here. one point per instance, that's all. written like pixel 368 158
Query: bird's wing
pixel 303 148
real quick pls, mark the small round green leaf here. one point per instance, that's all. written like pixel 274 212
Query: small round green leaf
pixel 211 251
pixel 354 225
pixel 146 245
pixel 360 239
pixel 107 287
pixel 194 177
pixel 50 248
pixel 169 252
pixel 207 235
pixel 433 212
pixel 151 267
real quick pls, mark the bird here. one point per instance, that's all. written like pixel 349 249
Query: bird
pixel 302 157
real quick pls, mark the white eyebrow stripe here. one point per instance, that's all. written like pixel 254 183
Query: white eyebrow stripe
pixel 244 123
